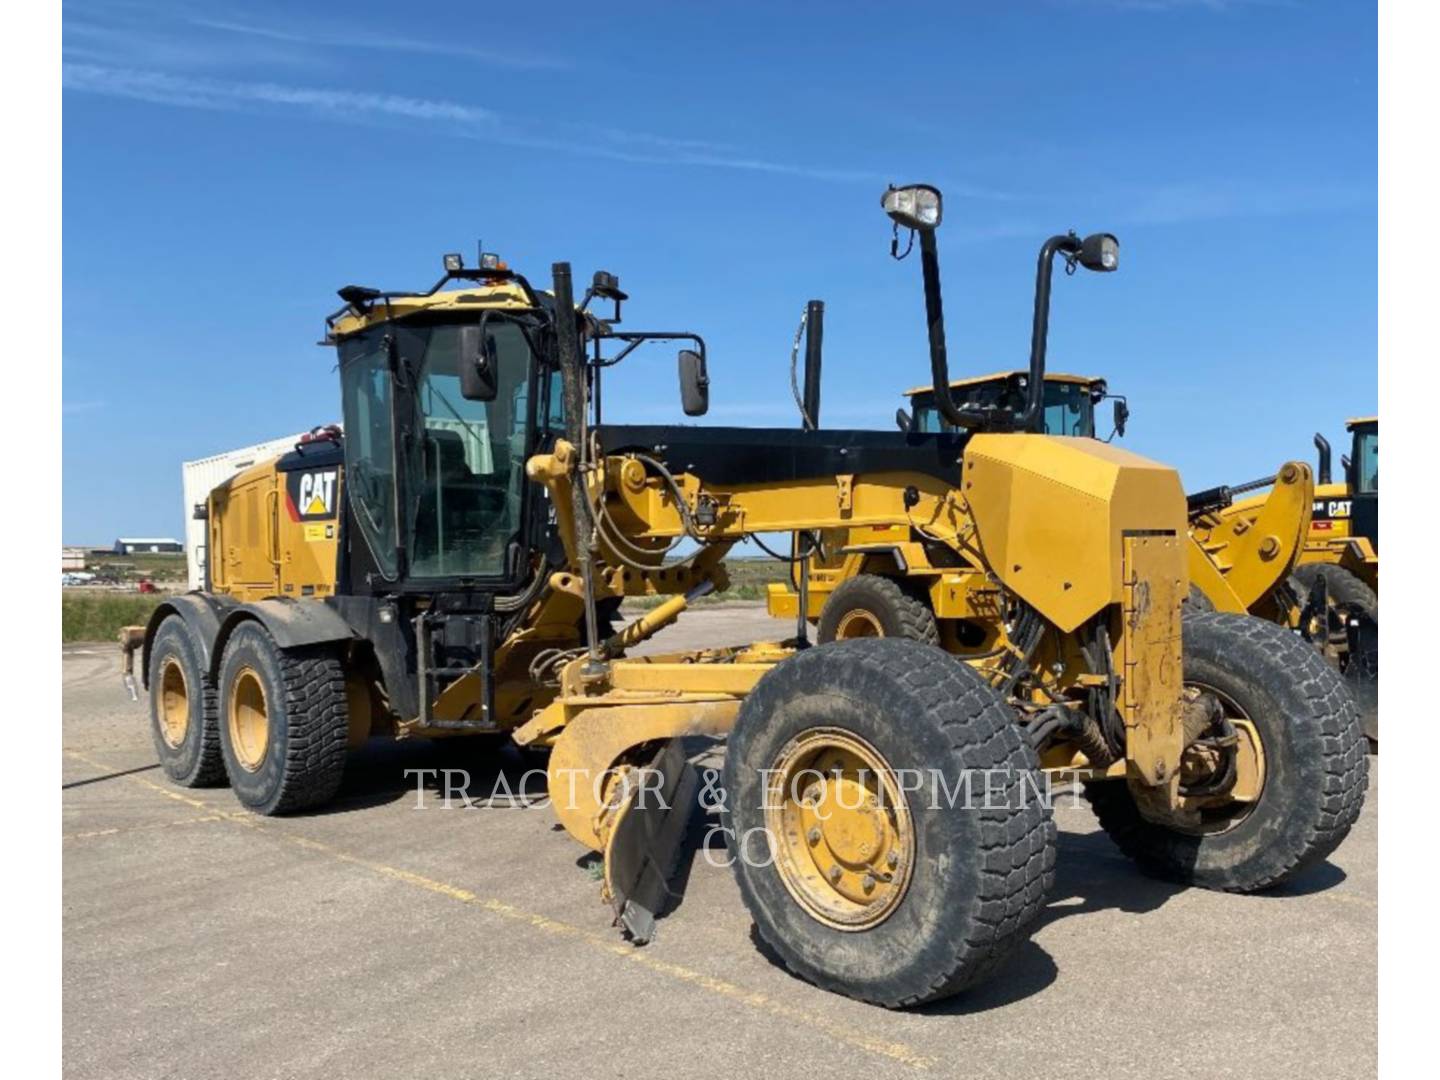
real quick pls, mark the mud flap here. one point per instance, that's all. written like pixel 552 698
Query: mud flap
pixel 646 836
pixel 1362 672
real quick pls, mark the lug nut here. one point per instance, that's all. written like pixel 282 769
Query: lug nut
pixel 893 859
pixel 813 835
pixel 868 883
pixel 834 874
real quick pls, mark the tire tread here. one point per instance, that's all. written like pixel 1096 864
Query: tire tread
pixel 1328 721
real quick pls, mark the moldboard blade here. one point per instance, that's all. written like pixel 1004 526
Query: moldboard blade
pixel 643 849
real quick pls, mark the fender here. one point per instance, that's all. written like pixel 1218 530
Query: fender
pixel 203 614
pixel 292 623
pixel 212 617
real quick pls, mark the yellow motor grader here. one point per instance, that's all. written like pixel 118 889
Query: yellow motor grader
pixel 450 564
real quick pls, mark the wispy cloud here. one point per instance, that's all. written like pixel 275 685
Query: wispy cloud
pixel 159 88
pixel 448 117
pixel 143 51
pixel 509 57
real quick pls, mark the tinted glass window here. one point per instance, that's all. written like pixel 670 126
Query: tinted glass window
pixel 369 448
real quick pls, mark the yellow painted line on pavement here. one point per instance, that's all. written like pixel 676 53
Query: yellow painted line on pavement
pixel 761 1002
pixel 122 830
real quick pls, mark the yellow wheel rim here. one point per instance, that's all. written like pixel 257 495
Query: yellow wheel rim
pixel 840 829
pixel 1219 813
pixel 248 719
pixel 858 623
pixel 174 710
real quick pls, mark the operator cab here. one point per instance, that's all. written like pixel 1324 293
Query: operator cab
pixel 1069 403
pixel 1363 476
pixel 446 395
pixel 435 467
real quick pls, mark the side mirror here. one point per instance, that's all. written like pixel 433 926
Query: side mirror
pixel 902 420
pixel 478 379
pixel 694 384
pixel 1122 414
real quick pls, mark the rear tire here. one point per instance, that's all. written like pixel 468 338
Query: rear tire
pixel 284 723
pixel 980 873
pixel 183 712
pixel 868 606
pixel 1315 767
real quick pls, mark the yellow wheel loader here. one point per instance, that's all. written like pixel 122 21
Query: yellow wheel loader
pixel 1335 585
pixel 446 566
pixel 1345 531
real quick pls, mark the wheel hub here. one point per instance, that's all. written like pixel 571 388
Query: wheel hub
pixel 858 623
pixel 1203 759
pixel 842 834
pixel 174 710
pixel 248 719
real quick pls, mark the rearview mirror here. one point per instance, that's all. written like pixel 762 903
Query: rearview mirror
pixel 478 380
pixel 902 419
pixel 694 384
pixel 1122 413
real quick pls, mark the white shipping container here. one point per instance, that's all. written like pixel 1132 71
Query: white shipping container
pixel 202 476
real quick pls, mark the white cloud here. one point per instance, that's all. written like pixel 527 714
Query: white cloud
pixel 198 93
pixel 450 117
pixel 508 57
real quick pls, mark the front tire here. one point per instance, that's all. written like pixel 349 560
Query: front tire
pixel 183 710
pixel 284 723
pixel 1315 770
pixel 966 876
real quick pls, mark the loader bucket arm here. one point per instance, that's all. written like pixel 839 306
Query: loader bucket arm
pixel 1253 545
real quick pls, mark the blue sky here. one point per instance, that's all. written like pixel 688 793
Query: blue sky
pixel 227 167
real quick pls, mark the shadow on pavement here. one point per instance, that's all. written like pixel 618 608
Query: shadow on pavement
pixel 108 776
pixel 474 773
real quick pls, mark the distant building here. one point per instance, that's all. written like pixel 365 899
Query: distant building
pixel 72 558
pixel 147 545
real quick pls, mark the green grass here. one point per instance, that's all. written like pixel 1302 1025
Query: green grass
pixel 98 616
pixel 157 566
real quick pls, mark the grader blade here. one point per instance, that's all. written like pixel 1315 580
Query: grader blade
pixel 642 849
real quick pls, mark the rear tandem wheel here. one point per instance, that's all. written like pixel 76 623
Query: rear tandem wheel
pixel 284 721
